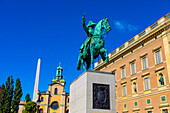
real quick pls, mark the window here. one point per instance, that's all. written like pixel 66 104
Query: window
pixel 161 79
pixel 55 91
pixel 133 68
pixel 68 100
pixel 149 112
pixel 163 98
pixel 136 104
pixel 125 106
pixel 124 90
pixel 123 72
pixel 41 111
pixel 67 111
pixel 54 105
pixel 42 99
pixel 158 57
pixel 165 111
pixel 134 86
pixel 144 63
pixel 148 101
pixel 147 84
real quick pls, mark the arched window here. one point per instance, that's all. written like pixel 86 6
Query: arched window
pixel 41 111
pixel 42 99
pixel 58 72
pixel 67 111
pixel 55 91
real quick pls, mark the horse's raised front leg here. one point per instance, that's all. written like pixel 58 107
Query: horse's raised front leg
pixel 83 65
pixel 104 56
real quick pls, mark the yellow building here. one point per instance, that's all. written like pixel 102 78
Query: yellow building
pixel 55 99
pixel 141 67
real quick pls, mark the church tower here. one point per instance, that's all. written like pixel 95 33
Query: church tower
pixel 59 74
pixel 55 99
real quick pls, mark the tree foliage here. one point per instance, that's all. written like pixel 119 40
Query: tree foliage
pixel 3 97
pixel 27 97
pixel 30 107
pixel 10 98
pixel 9 94
pixel 17 96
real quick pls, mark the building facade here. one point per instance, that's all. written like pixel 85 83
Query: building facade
pixel 141 67
pixel 55 99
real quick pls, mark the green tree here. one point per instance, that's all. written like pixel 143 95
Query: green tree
pixel 17 96
pixel 30 107
pixel 8 100
pixel 9 94
pixel 27 97
pixel 3 97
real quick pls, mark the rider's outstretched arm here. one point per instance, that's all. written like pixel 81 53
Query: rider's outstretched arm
pixel 83 23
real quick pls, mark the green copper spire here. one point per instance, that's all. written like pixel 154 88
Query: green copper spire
pixel 59 72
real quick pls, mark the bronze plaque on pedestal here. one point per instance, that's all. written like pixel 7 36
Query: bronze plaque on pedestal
pixel 101 96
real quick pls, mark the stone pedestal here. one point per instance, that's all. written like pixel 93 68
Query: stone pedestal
pixel 93 92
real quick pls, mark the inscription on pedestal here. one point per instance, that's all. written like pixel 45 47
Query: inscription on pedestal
pixel 101 96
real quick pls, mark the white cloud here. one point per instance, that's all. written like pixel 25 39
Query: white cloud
pixel 123 26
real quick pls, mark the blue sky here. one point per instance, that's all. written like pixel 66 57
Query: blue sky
pixel 52 30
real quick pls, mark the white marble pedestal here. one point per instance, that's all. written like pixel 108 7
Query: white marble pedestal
pixel 93 92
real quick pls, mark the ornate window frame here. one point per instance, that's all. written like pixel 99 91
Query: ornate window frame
pixel 156 50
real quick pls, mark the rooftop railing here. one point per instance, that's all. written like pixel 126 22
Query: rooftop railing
pixel 146 31
pixel 154 25
pixel 142 33
pixel 122 46
pixel 131 40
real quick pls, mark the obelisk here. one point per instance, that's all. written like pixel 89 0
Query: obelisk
pixel 36 81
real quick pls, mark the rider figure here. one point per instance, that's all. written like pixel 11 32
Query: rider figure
pixel 89 33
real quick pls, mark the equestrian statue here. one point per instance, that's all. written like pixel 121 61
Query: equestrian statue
pixel 94 44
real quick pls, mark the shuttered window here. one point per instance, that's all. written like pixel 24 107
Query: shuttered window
pixel 144 63
pixel 123 72
pixel 124 90
pixel 147 84
pixel 133 68
pixel 158 57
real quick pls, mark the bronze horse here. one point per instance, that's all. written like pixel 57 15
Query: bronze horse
pixel 95 47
